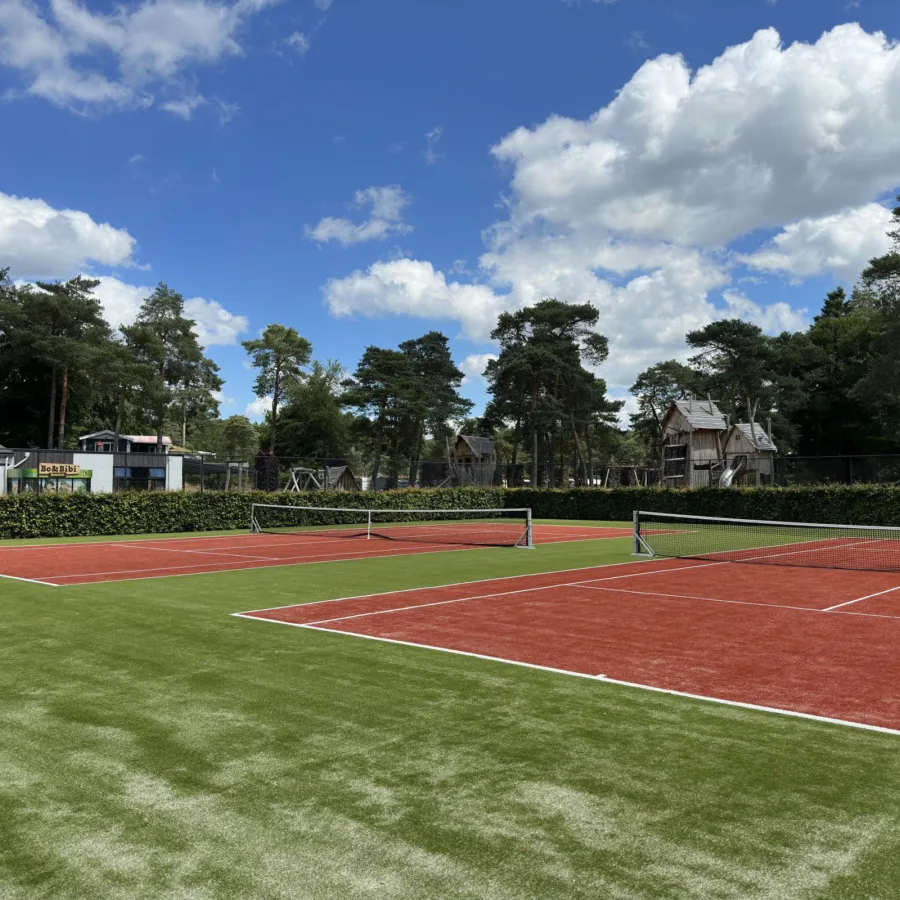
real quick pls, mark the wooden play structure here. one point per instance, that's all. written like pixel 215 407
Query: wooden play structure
pixel 473 461
pixel 331 478
pixel 700 446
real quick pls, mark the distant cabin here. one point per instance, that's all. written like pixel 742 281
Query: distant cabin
pixel 693 438
pixel 340 478
pixel 474 460
pixel 753 442
pixel 104 441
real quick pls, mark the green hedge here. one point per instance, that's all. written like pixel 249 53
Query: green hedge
pixel 51 515
pixel 842 504
pixel 141 512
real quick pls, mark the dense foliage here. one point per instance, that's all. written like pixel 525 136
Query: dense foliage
pixel 53 515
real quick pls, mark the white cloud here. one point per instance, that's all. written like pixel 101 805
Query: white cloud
pixel 634 208
pixel 216 326
pixel 185 107
pixel 474 365
pixel 298 42
pixel 222 400
pixel 762 136
pixel 323 5
pixel 773 319
pixel 39 241
pixel 841 244
pixel 256 409
pixel 431 141
pixel 385 206
pixel 62 52
pixel 413 288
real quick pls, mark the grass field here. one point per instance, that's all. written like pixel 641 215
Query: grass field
pixel 153 746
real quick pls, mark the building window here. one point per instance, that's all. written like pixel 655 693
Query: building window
pixel 675 461
pixel 134 478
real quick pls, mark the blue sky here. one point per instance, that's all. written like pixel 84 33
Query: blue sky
pixel 367 171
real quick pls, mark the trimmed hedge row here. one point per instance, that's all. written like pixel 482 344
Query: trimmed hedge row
pixel 842 504
pixel 158 512
pixel 52 515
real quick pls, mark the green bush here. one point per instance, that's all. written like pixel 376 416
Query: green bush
pixel 842 504
pixel 52 515
pixel 157 512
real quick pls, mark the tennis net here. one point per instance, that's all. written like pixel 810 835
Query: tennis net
pixel 861 547
pixel 466 527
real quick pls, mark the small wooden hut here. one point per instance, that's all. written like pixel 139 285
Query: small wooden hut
pixel 693 435
pixel 474 460
pixel 749 439
pixel 340 478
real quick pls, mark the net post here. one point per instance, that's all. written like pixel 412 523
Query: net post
pixel 254 525
pixel 369 526
pixel 528 543
pixel 639 547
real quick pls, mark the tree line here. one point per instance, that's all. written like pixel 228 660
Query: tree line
pixel 833 388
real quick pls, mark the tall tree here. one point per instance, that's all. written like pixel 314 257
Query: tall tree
pixel 432 397
pixel 312 423
pixel 377 390
pixel 280 354
pixel 735 361
pixel 162 339
pixel 655 389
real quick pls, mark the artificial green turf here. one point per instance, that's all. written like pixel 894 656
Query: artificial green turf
pixel 151 746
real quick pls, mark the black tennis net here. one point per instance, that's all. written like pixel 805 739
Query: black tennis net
pixel 465 527
pixel 862 547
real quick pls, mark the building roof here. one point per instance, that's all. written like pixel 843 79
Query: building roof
pixel 134 438
pixel 762 442
pixel 481 446
pixel 700 414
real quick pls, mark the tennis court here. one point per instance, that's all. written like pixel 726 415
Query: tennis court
pixel 813 631
pixel 99 561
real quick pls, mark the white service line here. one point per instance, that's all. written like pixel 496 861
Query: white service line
pixel 859 599
pixel 201 552
pixel 282 561
pixel 525 590
pixel 602 679
pixel 452 584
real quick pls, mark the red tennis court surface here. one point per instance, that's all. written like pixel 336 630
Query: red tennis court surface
pixel 813 642
pixel 68 564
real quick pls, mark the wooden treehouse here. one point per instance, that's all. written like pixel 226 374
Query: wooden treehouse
pixel 750 452
pixel 693 442
pixel 473 461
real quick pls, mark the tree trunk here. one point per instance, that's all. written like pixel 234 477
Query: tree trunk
pixel 161 420
pixel 579 456
pixel 551 475
pixel 63 403
pixel 120 412
pixel 417 455
pixel 51 421
pixel 534 437
pixel 379 437
pixel 590 456
pixel 276 391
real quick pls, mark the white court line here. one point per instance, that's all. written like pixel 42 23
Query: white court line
pixel 201 552
pixel 598 678
pixel 525 590
pixel 288 561
pixel 30 580
pixel 858 599
pixel 452 584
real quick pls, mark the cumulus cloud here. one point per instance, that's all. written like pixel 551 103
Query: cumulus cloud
pixel 414 288
pixel 474 365
pixel 256 409
pixel 762 136
pixel 431 142
pixel 841 244
pixel 385 206
pixel 39 241
pixel 216 326
pixel 634 209
pixel 61 51
pixel 298 42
